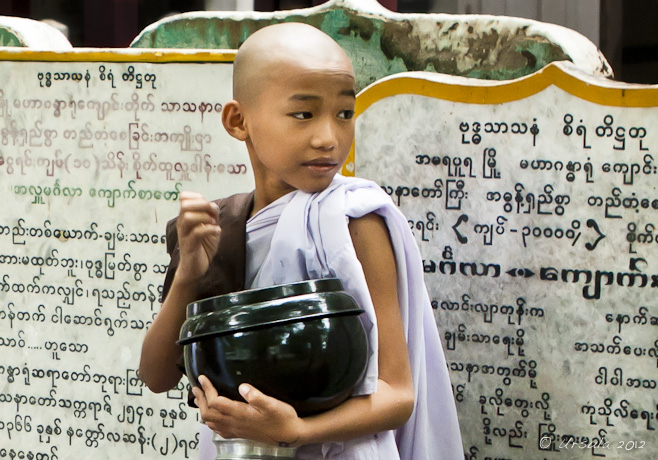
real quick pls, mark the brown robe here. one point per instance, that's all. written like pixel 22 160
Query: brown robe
pixel 226 271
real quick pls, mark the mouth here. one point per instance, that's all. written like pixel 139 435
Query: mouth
pixel 321 164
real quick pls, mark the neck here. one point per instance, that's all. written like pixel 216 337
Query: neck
pixel 264 198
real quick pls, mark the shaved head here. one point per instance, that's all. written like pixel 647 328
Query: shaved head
pixel 293 106
pixel 269 50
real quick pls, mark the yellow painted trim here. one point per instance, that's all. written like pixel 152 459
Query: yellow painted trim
pixel 505 91
pixel 349 166
pixel 117 55
pixel 511 90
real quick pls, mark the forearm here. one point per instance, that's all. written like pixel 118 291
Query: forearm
pixel 197 234
pixel 392 404
pixel 160 352
pixel 387 409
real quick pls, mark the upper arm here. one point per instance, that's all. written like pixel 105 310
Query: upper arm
pixel 373 248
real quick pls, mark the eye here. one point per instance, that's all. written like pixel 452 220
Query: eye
pixel 346 114
pixel 302 115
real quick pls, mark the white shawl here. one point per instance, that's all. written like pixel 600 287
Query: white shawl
pixel 310 239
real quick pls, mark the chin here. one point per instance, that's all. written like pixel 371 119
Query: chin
pixel 316 186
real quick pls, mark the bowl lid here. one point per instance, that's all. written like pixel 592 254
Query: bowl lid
pixel 252 296
pixel 241 318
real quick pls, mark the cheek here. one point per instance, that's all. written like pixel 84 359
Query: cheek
pixel 347 136
pixel 348 130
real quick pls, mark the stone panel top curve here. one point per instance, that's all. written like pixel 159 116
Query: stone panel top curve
pixel 382 43
pixel 27 33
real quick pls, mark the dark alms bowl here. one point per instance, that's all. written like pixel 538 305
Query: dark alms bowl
pixel 302 343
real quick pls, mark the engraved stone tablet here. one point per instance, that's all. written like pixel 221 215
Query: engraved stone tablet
pixel 535 205
pixel 95 148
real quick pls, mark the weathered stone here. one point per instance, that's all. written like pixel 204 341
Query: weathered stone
pixel 381 43
pixel 27 33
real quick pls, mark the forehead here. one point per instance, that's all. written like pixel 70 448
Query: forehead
pixel 311 87
pixel 292 72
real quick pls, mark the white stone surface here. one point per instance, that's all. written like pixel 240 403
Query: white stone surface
pixel 480 189
pixel 90 171
pixel 35 34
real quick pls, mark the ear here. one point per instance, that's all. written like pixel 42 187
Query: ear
pixel 233 120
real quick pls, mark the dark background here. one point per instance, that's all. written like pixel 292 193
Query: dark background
pixel 629 36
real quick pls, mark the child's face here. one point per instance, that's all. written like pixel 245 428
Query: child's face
pixel 301 127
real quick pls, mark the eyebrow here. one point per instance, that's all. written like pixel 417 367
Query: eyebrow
pixel 311 97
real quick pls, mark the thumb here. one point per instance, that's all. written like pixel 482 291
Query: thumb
pixel 255 398
pixel 247 391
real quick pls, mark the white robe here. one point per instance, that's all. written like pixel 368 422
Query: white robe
pixel 308 238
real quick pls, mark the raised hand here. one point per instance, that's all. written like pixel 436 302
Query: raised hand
pixel 198 235
pixel 261 418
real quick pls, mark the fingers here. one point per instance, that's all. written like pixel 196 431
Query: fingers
pixel 216 411
pixel 207 387
pixel 261 417
pixel 197 214
pixel 208 400
pixel 195 202
pixel 200 399
pixel 198 235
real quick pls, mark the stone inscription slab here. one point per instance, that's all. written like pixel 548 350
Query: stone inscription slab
pixel 535 210
pixel 535 205
pixel 95 148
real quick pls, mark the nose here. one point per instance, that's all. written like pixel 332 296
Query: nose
pixel 325 135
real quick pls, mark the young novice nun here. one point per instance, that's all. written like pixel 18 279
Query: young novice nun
pixel 293 107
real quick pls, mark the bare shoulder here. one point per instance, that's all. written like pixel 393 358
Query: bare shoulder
pixel 372 244
pixel 369 230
